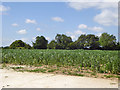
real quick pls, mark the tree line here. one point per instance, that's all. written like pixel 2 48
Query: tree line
pixel 61 41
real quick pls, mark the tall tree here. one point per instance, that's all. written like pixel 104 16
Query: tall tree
pixel 107 41
pixel 62 41
pixel 40 43
pixel 87 41
pixel 80 43
pixel 92 41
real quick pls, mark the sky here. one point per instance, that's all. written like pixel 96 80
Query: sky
pixel 26 20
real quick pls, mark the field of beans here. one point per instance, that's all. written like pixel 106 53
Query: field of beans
pixel 95 60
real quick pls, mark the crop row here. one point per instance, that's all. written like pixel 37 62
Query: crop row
pixel 95 60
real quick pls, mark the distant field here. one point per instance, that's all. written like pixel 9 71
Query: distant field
pixel 94 60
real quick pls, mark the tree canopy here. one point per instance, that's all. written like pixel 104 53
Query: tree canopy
pixel 19 44
pixel 107 41
pixel 61 41
pixel 52 45
pixel 40 43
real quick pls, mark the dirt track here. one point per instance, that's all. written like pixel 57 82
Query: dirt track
pixel 12 79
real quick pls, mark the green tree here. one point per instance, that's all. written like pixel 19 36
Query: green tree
pixel 52 45
pixel 28 46
pixel 19 44
pixel 62 41
pixel 107 41
pixel 40 43
pixel 87 41
pixel 80 43
pixel 92 41
pixel 117 46
pixel 72 45
pixel 60 46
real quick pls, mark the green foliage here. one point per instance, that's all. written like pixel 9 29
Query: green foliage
pixel 19 44
pixel 107 41
pixel 17 68
pixel 27 46
pixel 81 42
pixel 94 74
pixel 62 41
pixel 72 45
pixel 95 60
pixel 90 41
pixel 108 76
pixel 87 41
pixel 117 46
pixel 4 65
pixel 40 43
pixel 51 70
pixel 52 45
pixel 75 74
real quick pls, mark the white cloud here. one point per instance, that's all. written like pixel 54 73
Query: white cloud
pixel 96 29
pixel 107 5
pixel 79 32
pixel 74 35
pixel 58 19
pixel 93 1
pixel 38 29
pixel 98 5
pixel 23 31
pixel 82 26
pixel 81 5
pixel 48 38
pixel 108 10
pixel 107 18
pixel 30 21
pixel 4 8
pixel 15 24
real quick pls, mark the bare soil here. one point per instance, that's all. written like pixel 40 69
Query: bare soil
pixel 14 79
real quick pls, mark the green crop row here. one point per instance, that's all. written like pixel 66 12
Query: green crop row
pixel 95 60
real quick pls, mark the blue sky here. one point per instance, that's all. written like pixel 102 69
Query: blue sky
pixel 27 20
